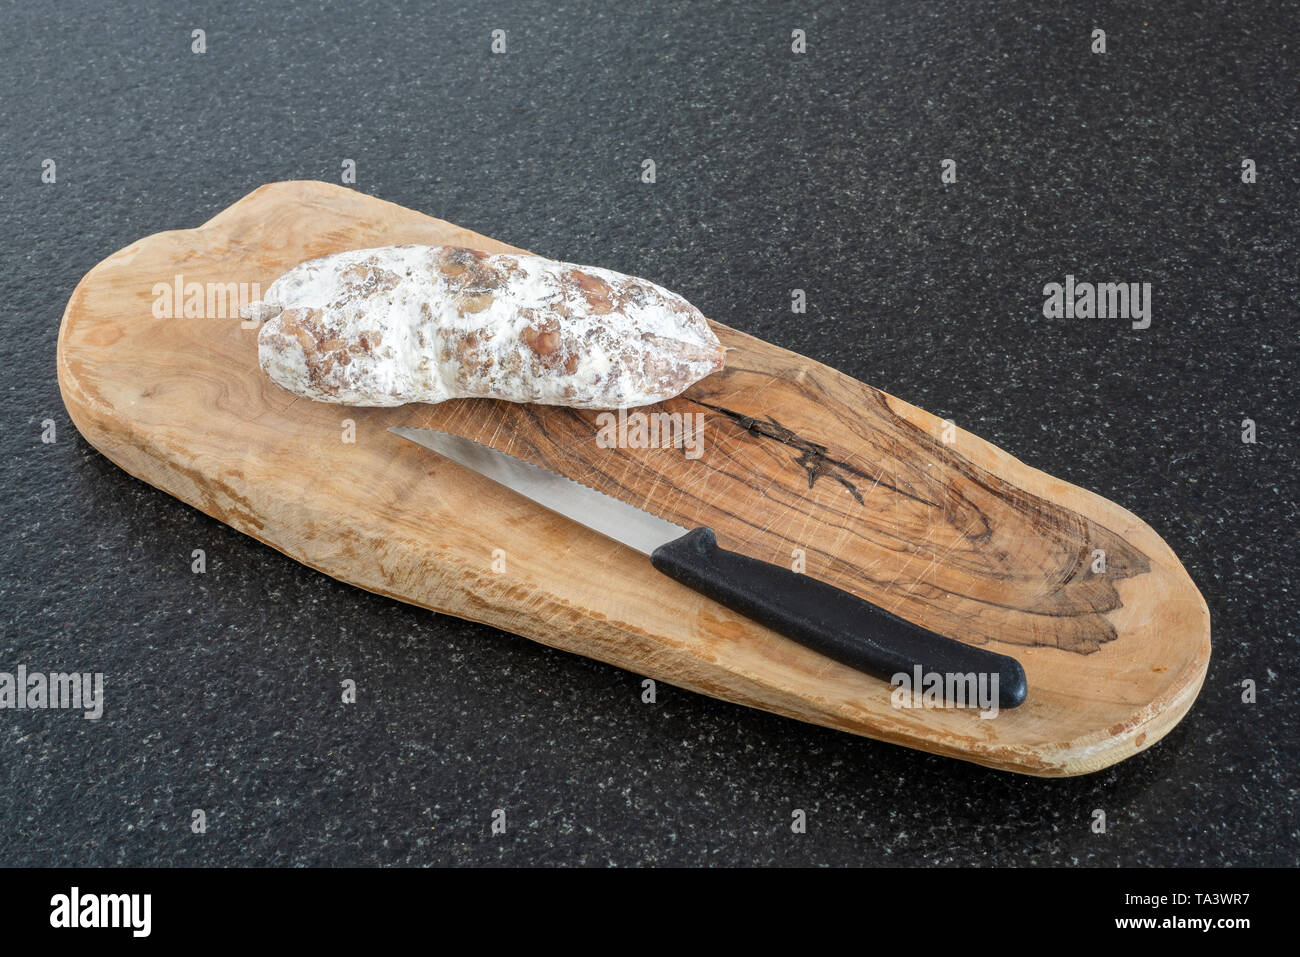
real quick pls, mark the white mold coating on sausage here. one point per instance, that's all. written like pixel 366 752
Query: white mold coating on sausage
pixel 382 327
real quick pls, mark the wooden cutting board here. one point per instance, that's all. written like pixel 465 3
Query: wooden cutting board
pixel 882 499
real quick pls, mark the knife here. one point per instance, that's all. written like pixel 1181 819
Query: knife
pixel 813 613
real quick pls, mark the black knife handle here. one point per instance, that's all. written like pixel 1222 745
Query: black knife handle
pixel 832 622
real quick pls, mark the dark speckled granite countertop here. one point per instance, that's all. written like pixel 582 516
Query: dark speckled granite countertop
pixel 819 171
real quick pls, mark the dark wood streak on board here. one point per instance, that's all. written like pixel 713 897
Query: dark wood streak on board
pixel 813 457
pixel 1092 595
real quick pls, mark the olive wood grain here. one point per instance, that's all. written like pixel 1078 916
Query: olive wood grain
pixel 941 528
